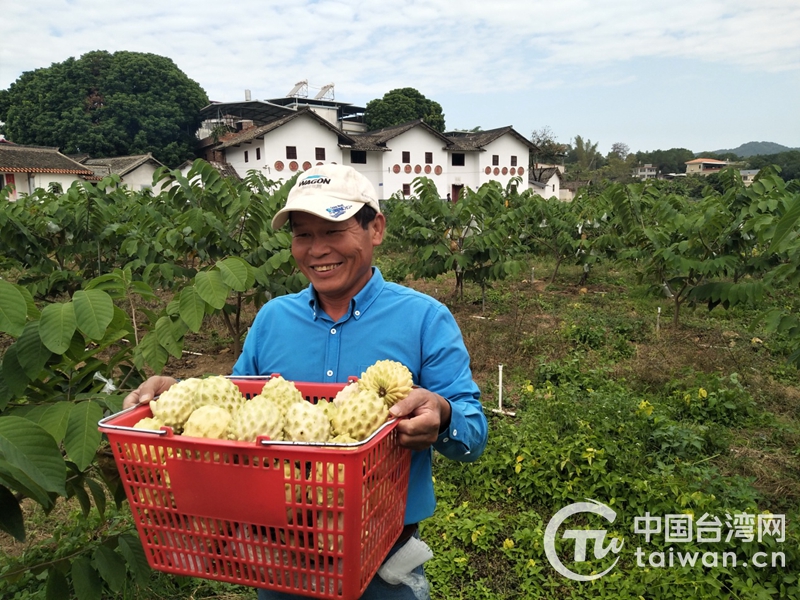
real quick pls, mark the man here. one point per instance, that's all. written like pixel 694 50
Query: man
pixel 349 318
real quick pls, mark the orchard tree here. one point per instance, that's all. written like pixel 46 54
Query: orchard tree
pixel 548 150
pixel 106 105
pixel 400 106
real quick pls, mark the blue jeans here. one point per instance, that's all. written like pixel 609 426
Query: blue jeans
pixel 377 589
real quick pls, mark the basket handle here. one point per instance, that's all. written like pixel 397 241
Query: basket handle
pixel 167 431
pixel 265 441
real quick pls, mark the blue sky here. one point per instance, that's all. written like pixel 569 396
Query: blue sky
pixel 654 75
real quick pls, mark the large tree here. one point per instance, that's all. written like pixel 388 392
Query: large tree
pixel 548 150
pixel 400 106
pixel 106 105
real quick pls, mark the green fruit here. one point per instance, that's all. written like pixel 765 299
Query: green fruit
pixel 390 379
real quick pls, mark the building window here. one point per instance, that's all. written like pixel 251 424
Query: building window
pixel 358 157
pixel 458 159
pixel 320 153
pixel 258 153
pixel 406 157
pixel 495 160
pixel 291 152
pixel 429 158
pixel 406 189
pixel 246 157
pixel 513 161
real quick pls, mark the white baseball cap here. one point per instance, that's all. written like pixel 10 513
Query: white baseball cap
pixel 331 192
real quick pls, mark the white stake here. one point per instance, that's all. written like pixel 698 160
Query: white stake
pixel 658 321
pixel 499 408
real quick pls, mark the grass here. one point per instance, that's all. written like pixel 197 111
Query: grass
pixel 578 360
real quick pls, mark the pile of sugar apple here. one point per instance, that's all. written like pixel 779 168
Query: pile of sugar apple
pixel 214 408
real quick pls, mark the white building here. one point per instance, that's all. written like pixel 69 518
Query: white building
pixel 27 168
pixel 390 158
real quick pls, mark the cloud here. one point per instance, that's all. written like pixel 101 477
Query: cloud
pixel 440 45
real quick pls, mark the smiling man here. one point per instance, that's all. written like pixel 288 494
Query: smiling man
pixel 348 318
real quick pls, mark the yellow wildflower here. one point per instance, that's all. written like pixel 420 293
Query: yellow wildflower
pixel 645 408
pixel 508 544
pixel 531 562
pixel 702 393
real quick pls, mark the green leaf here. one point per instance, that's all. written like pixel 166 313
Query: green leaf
pixel 54 419
pixel 13 309
pixel 192 308
pixel 785 225
pixel 56 326
pixel 152 352
pixel 75 488
pixel 83 437
pixel 86 580
pixel 94 310
pixel 32 354
pixel 111 567
pixel 212 288
pixel 131 548
pixel 28 447
pixel 11 515
pixel 98 494
pixel 57 585
pixel 237 273
pixel 13 375
pixel 166 338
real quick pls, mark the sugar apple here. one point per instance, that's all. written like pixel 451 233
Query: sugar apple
pixel 175 405
pixel 208 421
pixel 148 423
pixel 282 392
pixel 258 416
pixel 390 379
pixel 306 423
pixel 219 391
pixel 346 392
pixel 360 415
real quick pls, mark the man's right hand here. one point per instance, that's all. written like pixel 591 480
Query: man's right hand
pixel 152 387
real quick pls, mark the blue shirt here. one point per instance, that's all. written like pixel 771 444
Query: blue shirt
pixel 293 336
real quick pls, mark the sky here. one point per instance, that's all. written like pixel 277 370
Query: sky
pixel 702 75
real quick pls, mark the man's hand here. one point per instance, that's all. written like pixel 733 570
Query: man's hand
pixel 428 414
pixel 152 387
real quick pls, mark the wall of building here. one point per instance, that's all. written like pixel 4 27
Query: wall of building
pixel 303 133
pixel 416 142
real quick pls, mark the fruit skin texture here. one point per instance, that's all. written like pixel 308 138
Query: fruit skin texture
pixel 148 423
pixel 219 391
pixel 208 421
pixel 282 392
pixel 360 415
pixel 174 406
pixel 258 416
pixel 306 423
pixel 390 379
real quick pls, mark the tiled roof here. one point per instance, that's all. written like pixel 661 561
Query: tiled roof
pixel 120 164
pixel 475 141
pixel 258 132
pixel 544 174
pixel 38 159
pixel 376 140
pixel 705 160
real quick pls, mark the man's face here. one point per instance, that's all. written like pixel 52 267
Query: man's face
pixel 335 257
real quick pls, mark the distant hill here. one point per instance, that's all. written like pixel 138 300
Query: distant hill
pixel 756 149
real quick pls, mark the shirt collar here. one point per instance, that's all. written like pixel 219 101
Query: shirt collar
pixel 360 302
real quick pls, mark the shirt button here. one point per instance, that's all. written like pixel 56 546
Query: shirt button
pixel 446 440
pixel 357 313
pixel 333 331
pixel 329 373
pixel 455 432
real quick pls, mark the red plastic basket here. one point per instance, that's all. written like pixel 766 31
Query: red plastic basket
pixel 301 518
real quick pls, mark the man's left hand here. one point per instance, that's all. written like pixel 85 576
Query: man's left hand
pixel 428 414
